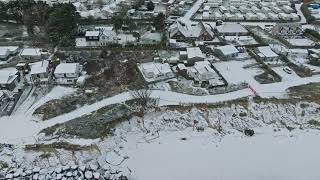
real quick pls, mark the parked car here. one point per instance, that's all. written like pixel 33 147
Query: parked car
pixel 287 70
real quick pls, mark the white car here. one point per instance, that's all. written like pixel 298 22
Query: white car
pixel 287 70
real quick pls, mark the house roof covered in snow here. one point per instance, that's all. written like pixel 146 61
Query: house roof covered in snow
pixel 195 52
pixel 190 29
pixel 4 51
pixel 67 68
pixel 7 75
pixel 228 49
pixel 203 67
pixel 92 33
pixel 31 52
pixel 39 67
pixel 267 51
pixel 231 28
pixel 12 48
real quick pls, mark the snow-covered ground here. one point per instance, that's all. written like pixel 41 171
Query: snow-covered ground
pixel 21 125
pixel 266 156
pixel 29 127
pixel 174 148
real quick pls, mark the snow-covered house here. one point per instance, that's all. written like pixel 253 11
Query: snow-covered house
pixel 9 79
pixel 39 71
pixel 31 54
pixel 67 73
pixel 101 36
pixel 6 51
pixel 231 29
pixel 155 71
pixel 299 53
pixel 195 54
pixel 191 31
pixel 227 52
pixel 267 54
pixel 202 71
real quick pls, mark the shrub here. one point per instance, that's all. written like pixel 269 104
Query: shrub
pixel 249 132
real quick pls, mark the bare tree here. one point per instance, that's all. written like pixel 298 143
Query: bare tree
pixel 142 101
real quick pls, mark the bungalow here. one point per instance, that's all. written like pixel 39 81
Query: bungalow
pixel 300 53
pixel 226 52
pixel 194 54
pixel 31 54
pixel 39 72
pixel 92 36
pixel 231 29
pixel 265 53
pixel 191 31
pixel 6 51
pixel 9 79
pixel 67 73
pixel 202 71
pixel 156 71
pixel 101 36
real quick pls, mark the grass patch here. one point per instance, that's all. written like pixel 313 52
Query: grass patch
pixel 241 102
pixel 96 125
pixel 308 92
pixel 57 107
pixel 266 78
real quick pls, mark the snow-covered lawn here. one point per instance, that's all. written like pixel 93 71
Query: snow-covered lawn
pixel 21 125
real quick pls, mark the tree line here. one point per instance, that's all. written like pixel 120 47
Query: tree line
pixel 57 23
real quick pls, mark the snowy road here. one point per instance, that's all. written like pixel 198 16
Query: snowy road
pixel 299 12
pixel 195 7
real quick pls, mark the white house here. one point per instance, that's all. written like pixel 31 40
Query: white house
pixel 300 53
pixel 31 53
pixel 67 73
pixel 226 52
pixel 6 51
pixel 155 71
pixel 231 29
pixel 202 71
pixel 9 79
pixel 195 54
pixel 101 36
pixel 39 71
pixel 265 53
